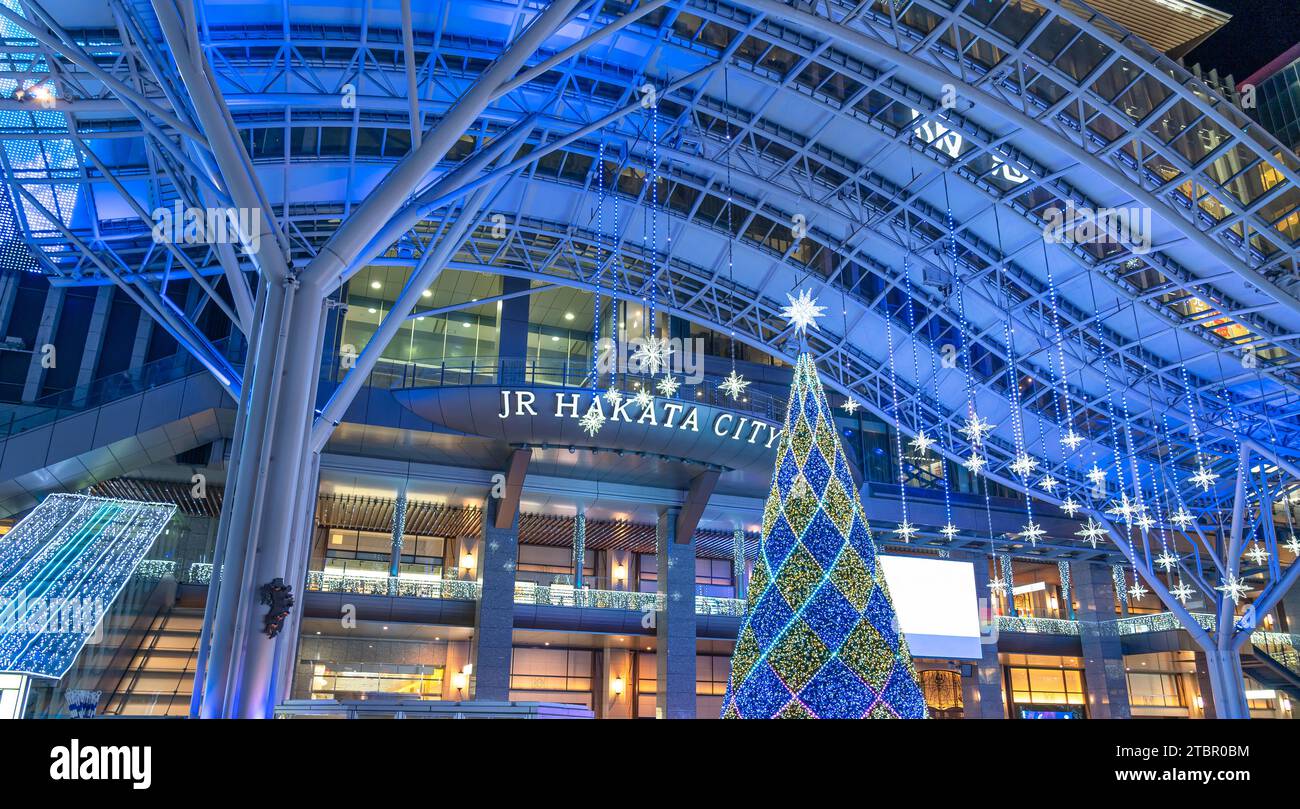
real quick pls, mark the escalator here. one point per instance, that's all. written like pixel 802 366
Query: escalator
pixel 1274 663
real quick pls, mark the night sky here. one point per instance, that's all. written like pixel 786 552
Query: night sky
pixel 1259 31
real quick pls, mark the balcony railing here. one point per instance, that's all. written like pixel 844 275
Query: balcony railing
pixel 1037 626
pixel 406 586
pixel 566 595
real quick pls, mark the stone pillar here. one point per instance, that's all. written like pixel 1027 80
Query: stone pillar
pixel 94 339
pixel 675 625
pixel 1103 657
pixel 1204 688
pixel 44 336
pixel 513 339
pixel 982 695
pixel 494 618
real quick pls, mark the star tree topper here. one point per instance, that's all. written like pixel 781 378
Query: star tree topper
pixel 803 311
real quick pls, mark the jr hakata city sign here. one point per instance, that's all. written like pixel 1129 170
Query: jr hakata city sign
pixel 540 415
pixel 663 413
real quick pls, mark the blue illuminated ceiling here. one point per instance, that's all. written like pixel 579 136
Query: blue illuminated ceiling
pixel 833 113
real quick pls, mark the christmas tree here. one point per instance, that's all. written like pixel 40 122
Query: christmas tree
pixel 819 639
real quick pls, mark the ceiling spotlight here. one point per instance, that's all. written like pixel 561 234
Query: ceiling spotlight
pixel 426 293
pixel 376 285
pixel 568 315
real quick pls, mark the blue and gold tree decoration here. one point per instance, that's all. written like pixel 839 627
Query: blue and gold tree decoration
pixel 820 638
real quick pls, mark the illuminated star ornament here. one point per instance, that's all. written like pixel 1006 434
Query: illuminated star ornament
pixel 1181 592
pixel 1097 476
pixel 613 396
pixel 975 429
pixel 1023 465
pixel 1032 532
pixel 1070 507
pixel 1181 518
pixel 1137 592
pixel 974 463
pixel 1204 478
pixel 1071 440
pixel 668 385
pixel 652 354
pixel 803 311
pixel 733 385
pixel 921 443
pixel 1048 483
pixel 643 399
pixel 950 531
pixel 998 586
pixel 593 420
pixel 851 405
pixel 905 531
pixel 1166 561
pixel 1092 532
pixel 1257 554
pixel 1145 522
pixel 1233 588
pixel 1293 545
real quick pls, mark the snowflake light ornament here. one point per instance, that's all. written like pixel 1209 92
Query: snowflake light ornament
pixel 975 429
pixel 921 443
pixel 1071 440
pixel 1048 484
pixel 668 385
pixel 592 420
pixel 1092 532
pixel 905 531
pixel 1293 545
pixel 1204 478
pixel 1182 518
pixel 1097 476
pixel 613 396
pixel 643 399
pixel 1137 592
pixel 1032 532
pixel 734 384
pixel 1234 588
pixel 652 354
pixel 974 463
pixel 1181 592
pixel 997 585
pixel 949 531
pixel 1070 507
pixel 851 405
pixel 1257 554
pixel 1166 561
pixel 803 311
pixel 1024 465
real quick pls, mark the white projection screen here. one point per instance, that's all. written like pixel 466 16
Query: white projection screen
pixel 936 605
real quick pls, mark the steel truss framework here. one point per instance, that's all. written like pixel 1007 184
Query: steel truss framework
pixel 176 104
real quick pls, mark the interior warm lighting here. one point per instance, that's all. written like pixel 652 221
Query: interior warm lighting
pixel 617 685
pixel 467 560
pixel 620 572
pixel 459 681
